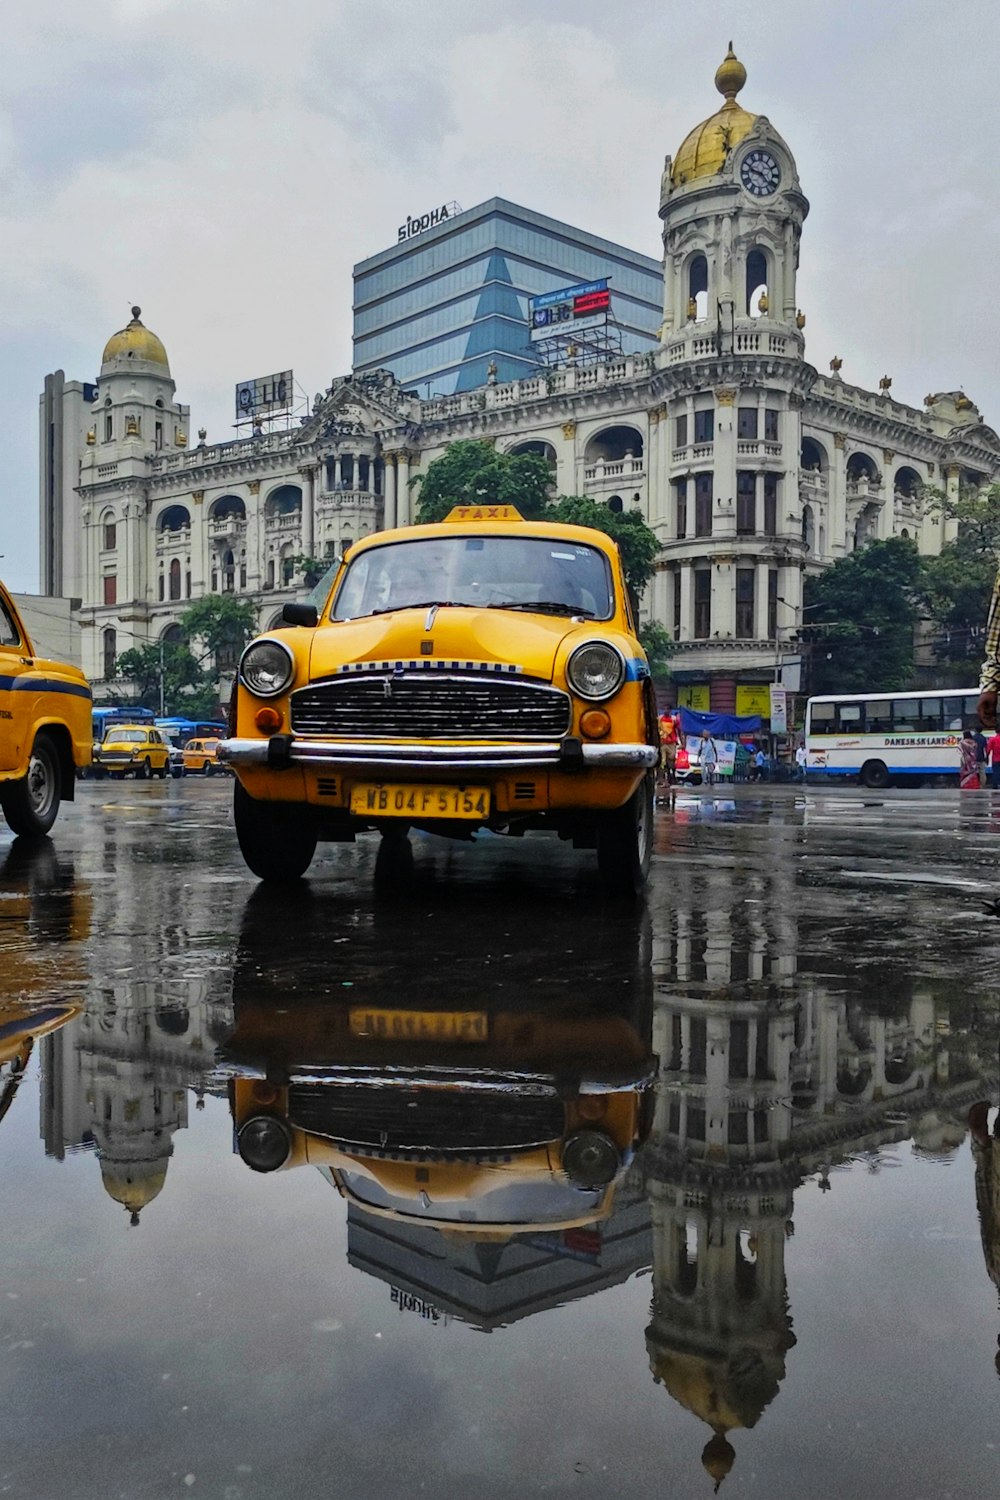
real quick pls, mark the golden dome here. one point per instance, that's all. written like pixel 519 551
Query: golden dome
pixel 136 341
pixel 704 150
pixel 133 1186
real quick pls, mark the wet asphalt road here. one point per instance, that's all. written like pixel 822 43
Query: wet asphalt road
pixel 792 1286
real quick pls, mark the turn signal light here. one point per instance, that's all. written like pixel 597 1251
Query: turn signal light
pixel 268 720
pixel 595 723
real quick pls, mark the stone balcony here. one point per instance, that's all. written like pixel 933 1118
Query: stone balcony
pixel 227 528
pixel 615 475
pixel 757 448
pixel 813 487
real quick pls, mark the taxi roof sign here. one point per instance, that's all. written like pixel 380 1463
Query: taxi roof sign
pixel 484 513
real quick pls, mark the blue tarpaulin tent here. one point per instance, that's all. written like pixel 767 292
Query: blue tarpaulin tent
pixel 720 726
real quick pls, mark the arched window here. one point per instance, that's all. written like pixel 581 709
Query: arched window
pixel 228 573
pixel 283 501
pixel 160 586
pixel 243 570
pixel 269 583
pixel 174 518
pixel 175 578
pixel 228 507
pixel 813 456
pixel 109 430
pixel 756 287
pixel 110 644
pixel 535 445
pixel 615 504
pixel 173 634
pixel 697 288
pixel 908 482
pixel 110 534
pixel 808 528
pixel 861 467
pixel 615 445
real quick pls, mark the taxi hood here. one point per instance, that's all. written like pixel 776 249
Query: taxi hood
pixel 455 633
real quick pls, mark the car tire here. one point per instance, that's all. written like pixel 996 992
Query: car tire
pixel 162 773
pixel 206 769
pixel 30 805
pixel 277 844
pixel 625 842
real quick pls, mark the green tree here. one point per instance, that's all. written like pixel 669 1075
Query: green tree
pixel 183 681
pixel 221 625
pixel 472 472
pixel 862 613
pixel 656 641
pixel 958 582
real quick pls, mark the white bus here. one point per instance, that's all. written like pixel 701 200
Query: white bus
pixel 882 738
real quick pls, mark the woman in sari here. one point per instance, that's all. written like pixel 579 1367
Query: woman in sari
pixel 968 767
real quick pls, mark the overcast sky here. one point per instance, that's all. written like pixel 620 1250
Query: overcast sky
pixel 225 162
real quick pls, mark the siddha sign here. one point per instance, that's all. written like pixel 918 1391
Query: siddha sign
pixel 427 221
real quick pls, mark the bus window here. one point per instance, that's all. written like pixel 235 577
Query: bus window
pixel 878 716
pixel 905 714
pixel 930 715
pixel 821 718
pixel 849 718
pixel 970 708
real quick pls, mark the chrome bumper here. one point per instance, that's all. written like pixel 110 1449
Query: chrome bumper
pixel 379 756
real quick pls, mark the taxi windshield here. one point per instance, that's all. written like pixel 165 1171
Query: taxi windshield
pixel 126 736
pixel 485 572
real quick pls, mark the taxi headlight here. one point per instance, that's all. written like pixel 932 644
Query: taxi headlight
pixel 267 668
pixel 264 1142
pixel 596 671
pixel 590 1158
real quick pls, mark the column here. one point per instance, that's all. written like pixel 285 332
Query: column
pixel 404 508
pixel 687 606
pixel 837 543
pixel 949 524
pixel 760 601
pixel 308 474
pixel 724 600
pixel 389 485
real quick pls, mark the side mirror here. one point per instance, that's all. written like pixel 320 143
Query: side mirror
pixel 300 614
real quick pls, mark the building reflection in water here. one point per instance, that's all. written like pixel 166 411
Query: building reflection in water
pixel 478 1115
pixel 768 1075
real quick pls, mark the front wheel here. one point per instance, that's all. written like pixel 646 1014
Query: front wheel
pixel 206 769
pixel 30 805
pixel 625 842
pixel 144 771
pixel 875 774
pixel 277 844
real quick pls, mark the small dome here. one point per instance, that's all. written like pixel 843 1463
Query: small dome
pixel 136 342
pixel 704 150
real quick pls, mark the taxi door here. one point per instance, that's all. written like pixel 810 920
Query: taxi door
pixel 16 708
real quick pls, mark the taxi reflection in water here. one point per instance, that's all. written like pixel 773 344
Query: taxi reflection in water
pixel 497 1113
pixel 40 909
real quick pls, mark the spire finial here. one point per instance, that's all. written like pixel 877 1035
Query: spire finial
pixel 135 313
pixel 730 77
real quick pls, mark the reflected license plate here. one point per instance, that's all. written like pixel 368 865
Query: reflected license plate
pixel 395 801
pixel 419 1025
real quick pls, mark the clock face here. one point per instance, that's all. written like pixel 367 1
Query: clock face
pixel 760 174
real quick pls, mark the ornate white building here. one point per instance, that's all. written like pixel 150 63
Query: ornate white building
pixel 752 468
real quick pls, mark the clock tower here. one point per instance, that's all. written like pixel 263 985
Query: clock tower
pixel 732 211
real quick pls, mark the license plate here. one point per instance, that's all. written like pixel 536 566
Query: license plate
pixel 419 1025
pixel 395 801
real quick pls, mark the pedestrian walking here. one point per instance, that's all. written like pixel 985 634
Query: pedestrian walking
pixel 708 758
pixel 981 755
pixel 993 756
pixel 760 765
pixel 968 766
pixel 800 761
pixel 666 789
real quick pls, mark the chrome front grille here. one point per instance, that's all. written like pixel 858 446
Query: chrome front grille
pixel 431 706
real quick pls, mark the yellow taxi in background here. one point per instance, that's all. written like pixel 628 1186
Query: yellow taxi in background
pixel 200 757
pixel 137 750
pixel 45 731
pixel 480 672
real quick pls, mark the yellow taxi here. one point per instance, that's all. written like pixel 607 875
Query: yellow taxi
pixel 480 672
pixel 45 730
pixel 139 750
pixel 200 757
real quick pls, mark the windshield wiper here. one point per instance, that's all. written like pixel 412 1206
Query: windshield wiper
pixel 548 607
pixel 390 609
